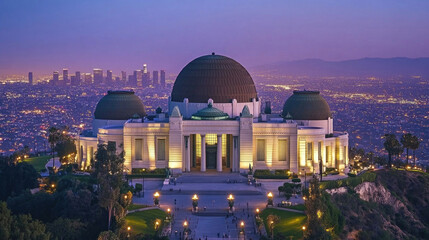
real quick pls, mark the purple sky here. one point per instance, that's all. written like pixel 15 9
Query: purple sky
pixel 47 35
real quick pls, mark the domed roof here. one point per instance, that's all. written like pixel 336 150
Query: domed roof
pixel 306 105
pixel 213 76
pixel 119 105
pixel 210 113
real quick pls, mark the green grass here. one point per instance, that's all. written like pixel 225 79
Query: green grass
pixel 289 224
pixel 144 222
pixel 136 206
pixel 299 207
pixel 38 162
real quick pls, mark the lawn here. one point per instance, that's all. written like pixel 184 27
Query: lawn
pixel 144 222
pixel 289 225
pixel 136 206
pixel 299 207
pixel 38 162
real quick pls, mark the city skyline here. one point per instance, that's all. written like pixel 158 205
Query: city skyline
pixel 255 32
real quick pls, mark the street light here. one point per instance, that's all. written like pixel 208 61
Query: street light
pixel 195 202
pixel 185 229
pixel 270 199
pixel 156 198
pixel 156 224
pixel 257 212
pixel 128 231
pixel 242 227
pixel 230 202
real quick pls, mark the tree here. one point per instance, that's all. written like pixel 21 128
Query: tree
pixel 66 229
pixel 407 141
pixel 314 210
pixel 415 143
pixel 54 137
pixel 288 192
pixel 392 146
pixel 16 177
pixel 107 235
pixel 109 169
pixel 66 149
pixel 20 226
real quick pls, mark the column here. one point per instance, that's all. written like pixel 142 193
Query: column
pixel 235 154
pixel 188 154
pixel 219 153
pixel 203 152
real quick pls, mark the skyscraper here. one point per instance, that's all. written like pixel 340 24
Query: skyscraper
pixel 73 81
pixel 145 68
pixel 65 76
pixel 109 77
pixel 30 78
pixel 98 76
pixel 163 78
pixel 132 80
pixel 155 78
pixel 88 78
pixel 124 76
pixel 55 78
pixel 77 74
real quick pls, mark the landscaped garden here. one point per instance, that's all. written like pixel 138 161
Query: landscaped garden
pixel 286 224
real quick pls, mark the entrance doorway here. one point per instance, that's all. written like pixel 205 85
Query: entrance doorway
pixel 211 151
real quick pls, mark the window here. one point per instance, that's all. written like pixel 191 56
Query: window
pixel 345 153
pixel 319 150
pixel 309 151
pixel 260 150
pixel 283 150
pixel 161 150
pixel 138 149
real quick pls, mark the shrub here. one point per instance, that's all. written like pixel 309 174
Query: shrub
pixel 296 180
pixel 267 174
pixel 351 182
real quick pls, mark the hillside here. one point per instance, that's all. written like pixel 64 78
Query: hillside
pixel 394 206
pixel 379 67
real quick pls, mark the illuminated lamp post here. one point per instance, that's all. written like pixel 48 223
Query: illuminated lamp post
pixel 257 212
pixel 195 203
pixel 156 198
pixel 231 202
pixel 242 228
pixel 128 231
pixel 185 229
pixel 270 199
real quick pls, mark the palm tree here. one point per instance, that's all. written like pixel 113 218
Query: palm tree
pixel 414 146
pixel 407 141
pixel 392 146
pixel 54 137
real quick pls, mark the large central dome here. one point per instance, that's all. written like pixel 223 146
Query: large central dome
pixel 214 76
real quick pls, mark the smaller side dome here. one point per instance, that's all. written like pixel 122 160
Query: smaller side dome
pixel 210 113
pixel 119 105
pixel 306 105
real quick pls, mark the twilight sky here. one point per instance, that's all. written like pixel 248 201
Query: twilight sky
pixel 47 35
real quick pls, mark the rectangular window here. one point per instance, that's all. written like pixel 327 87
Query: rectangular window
pixel 260 150
pixel 345 153
pixel 309 151
pixel 161 150
pixel 283 149
pixel 319 150
pixel 328 155
pixel 138 149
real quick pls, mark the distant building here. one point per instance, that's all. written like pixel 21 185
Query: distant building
pixel 155 78
pixel 98 76
pixel 145 68
pixel 30 78
pixel 214 123
pixel 88 78
pixel 163 78
pixel 132 80
pixel 124 76
pixel 65 76
pixel 73 81
pixel 78 79
pixel 56 78
pixel 109 77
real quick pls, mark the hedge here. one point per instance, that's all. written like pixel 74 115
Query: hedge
pixel 349 182
pixel 267 174
pixel 155 173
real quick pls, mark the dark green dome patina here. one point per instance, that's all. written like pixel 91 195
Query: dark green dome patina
pixel 306 105
pixel 119 105
pixel 213 76
pixel 210 113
